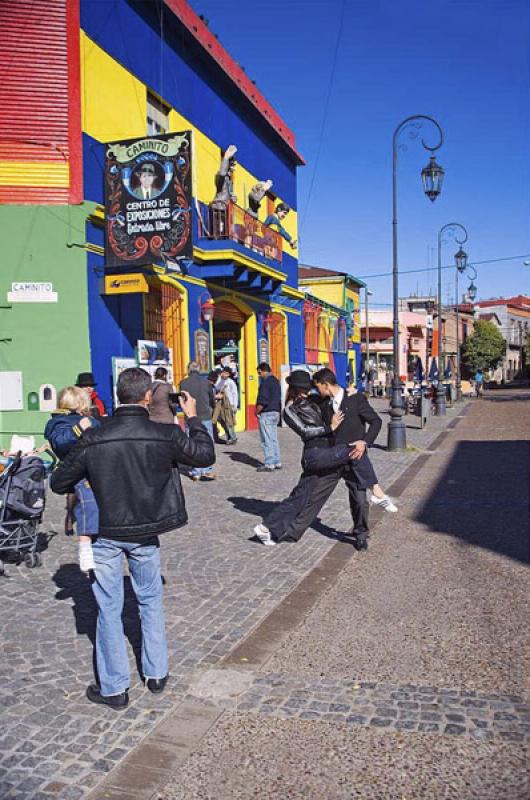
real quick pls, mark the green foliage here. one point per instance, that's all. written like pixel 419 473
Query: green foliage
pixel 485 348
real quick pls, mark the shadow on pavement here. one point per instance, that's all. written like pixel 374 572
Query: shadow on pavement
pixel 262 508
pixel 482 498
pixel 244 458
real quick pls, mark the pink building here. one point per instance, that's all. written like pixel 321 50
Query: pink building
pixel 414 341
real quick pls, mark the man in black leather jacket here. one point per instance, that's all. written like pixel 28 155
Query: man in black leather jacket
pixel 132 466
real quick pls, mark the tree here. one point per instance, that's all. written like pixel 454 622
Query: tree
pixel 485 348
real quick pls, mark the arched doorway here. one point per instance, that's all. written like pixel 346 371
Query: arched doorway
pixel 235 344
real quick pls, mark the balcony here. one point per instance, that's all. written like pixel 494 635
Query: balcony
pixel 234 224
pixel 232 246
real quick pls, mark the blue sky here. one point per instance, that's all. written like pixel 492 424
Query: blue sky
pixel 464 62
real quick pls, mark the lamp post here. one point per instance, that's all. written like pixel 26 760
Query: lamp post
pixel 461 261
pixel 471 293
pixel 432 178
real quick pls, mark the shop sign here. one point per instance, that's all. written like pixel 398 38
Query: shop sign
pixel 148 200
pixel 31 292
pixel 126 284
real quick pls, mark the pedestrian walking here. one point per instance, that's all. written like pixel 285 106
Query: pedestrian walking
pixel 161 407
pixel 479 383
pixel 63 431
pixel 201 390
pixel 131 464
pixel 227 398
pixel 86 381
pixel 268 408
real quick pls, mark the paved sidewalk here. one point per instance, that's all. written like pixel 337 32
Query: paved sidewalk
pixel 219 586
pixel 410 679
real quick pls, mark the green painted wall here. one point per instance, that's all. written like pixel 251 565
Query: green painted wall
pixel 50 342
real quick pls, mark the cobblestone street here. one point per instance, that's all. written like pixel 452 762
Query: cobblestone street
pixel 405 647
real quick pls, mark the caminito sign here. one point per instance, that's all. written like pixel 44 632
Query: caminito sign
pixel 148 200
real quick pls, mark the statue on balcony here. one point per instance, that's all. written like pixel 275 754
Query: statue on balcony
pixel 224 179
pixel 224 184
pixel 256 195
pixel 275 221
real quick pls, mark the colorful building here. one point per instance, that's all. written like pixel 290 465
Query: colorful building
pixel 332 320
pixel 90 78
pixel 414 341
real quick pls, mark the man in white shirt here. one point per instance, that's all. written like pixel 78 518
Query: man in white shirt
pixel 226 389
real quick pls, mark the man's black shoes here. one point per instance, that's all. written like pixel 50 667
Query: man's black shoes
pixel 157 685
pixel 361 542
pixel 116 701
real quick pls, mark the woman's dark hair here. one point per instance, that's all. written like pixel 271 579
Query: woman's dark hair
pixel 282 207
pixel 160 374
pixel 133 384
pixel 293 393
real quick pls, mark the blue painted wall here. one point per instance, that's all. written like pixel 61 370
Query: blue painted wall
pixel 115 322
pixel 190 81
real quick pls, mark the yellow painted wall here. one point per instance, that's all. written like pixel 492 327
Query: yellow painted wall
pixel 114 106
pixel 328 292
pixel 113 101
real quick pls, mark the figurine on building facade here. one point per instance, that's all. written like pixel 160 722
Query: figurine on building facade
pixel 224 179
pixel 224 184
pixel 275 221
pixel 256 195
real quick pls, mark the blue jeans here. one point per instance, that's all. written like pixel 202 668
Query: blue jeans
pixel 86 512
pixel 268 431
pixel 208 424
pixel 108 588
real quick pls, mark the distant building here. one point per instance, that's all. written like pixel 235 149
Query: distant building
pixel 413 339
pixel 512 315
pixel 332 320
pixel 428 306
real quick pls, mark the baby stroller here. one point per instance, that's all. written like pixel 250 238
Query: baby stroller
pixel 22 501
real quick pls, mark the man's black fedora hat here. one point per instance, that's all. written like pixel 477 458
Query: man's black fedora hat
pixel 85 379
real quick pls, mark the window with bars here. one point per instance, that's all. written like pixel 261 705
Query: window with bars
pixel 157 115
pixel 163 322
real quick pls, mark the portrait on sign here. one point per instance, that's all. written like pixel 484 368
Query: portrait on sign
pixel 148 200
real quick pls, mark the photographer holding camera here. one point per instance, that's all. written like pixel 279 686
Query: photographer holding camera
pixel 132 466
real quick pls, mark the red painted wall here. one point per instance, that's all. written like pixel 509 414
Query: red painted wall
pixel 40 112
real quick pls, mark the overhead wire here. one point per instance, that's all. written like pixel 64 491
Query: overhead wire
pixel 444 266
pixel 325 114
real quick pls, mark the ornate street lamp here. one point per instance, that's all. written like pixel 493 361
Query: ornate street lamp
pixel 472 289
pixel 452 229
pixel 432 179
